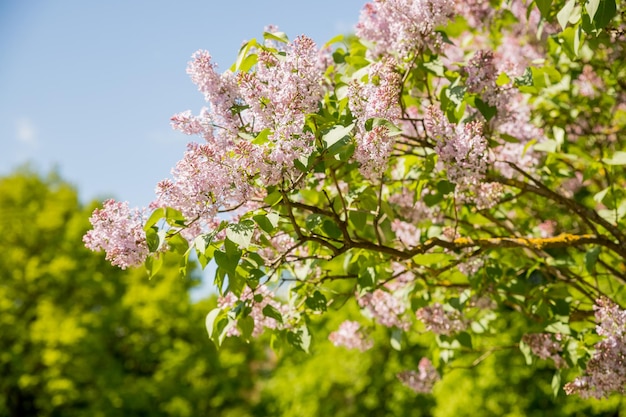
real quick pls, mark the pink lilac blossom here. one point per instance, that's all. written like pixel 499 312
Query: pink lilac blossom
pixel 118 231
pixel 422 380
pixel 403 277
pixel 547 228
pixel 481 72
pixel 478 13
pixel 515 153
pixel 407 233
pixel 280 93
pixel 403 26
pixel 513 116
pixel 606 370
pixel 376 98
pixel 471 266
pixel 351 336
pixel 385 308
pixel 187 123
pixel 440 321
pixel 203 182
pixel 545 346
pixel 220 90
pixel 279 245
pixel 411 210
pixel 588 83
pixel 463 153
pixel 257 300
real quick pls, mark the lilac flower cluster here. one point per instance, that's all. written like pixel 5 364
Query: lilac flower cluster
pixel 463 152
pixel 280 93
pixel 351 336
pixel 206 179
pixel 422 380
pixel 403 26
pixel 376 98
pixel 257 300
pixel 513 116
pixel 385 308
pixel 477 12
pixel 118 231
pixel 440 321
pixel 546 346
pixel 606 370
pixel 220 91
pixel 481 72
pixel 461 149
pixel 276 96
pixel 407 233
pixel 588 83
pixel 411 210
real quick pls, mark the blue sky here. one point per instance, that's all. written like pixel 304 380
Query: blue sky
pixel 88 87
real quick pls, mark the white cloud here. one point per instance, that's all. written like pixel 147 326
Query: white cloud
pixel 344 27
pixel 25 131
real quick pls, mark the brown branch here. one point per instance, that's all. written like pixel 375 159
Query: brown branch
pixel 585 213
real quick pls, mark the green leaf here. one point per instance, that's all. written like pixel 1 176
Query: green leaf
pixel 316 302
pixel 436 67
pixel 558 327
pixel 591 257
pixel 272 312
pixel 572 38
pixel 300 338
pixel 242 55
pixel 528 355
pixel 178 243
pixel 276 36
pixel 331 229
pixel 485 109
pixel 544 7
pixel 313 221
pixel 592 7
pixel 209 322
pixel 228 260
pixel 246 325
pixel 156 215
pixel 153 239
pixel 358 219
pixel 367 278
pixel 549 146
pixel 599 196
pixel 525 79
pixel 273 198
pixel 241 233
pixel 153 264
pixel 267 222
pixel 556 383
pixel 174 217
pixel 396 339
pixel 204 251
pixel 502 79
pixel 605 12
pixel 619 158
pixel 456 94
pixel 217 324
pixel 465 339
pixel 564 14
pixel 337 134
pixel 445 187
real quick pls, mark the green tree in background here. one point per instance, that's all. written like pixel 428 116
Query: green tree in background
pixel 81 338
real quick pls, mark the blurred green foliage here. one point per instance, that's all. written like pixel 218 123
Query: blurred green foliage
pixel 79 337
